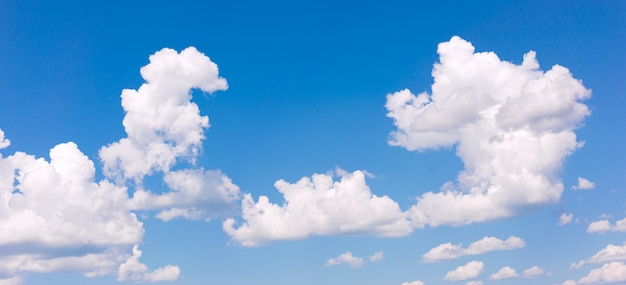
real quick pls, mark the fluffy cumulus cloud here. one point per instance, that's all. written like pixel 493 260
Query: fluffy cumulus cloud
pixel 504 273
pixel 416 282
pixel 565 219
pixel 610 253
pixel 471 270
pixel 134 270
pixel 508 272
pixel 603 226
pixel 62 219
pixel 584 184
pixel 163 127
pixel 446 251
pixel 475 282
pixel 512 125
pixel 318 205
pixel 345 258
pixel 613 272
pixel 4 142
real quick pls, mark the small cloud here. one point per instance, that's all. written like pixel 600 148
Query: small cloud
pixel 533 272
pixel 471 270
pixel 376 257
pixel 603 226
pixel 134 270
pixel 584 184
pixel 565 219
pixel 504 273
pixel 4 142
pixel 452 251
pixel 347 258
pixel 416 282
pixel 475 282
pixel 576 265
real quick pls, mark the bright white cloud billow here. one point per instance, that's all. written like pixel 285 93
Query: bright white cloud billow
pixel 610 253
pixel 471 270
pixel 345 258
pixel 163 126
pixel 134 270
pixel 61 219
pixel 512 126
pixel 161 122
pixel 318 205
pixel 446 251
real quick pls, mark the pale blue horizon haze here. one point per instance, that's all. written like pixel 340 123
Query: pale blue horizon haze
pixel 312 142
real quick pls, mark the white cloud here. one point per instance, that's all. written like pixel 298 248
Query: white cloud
pixel 163 126
pixel 612 272
pixel 533 272
pixel 576 265
pixel 449 251
pixel 377 256
pixel 345 258
pixel 609 253
pixel 569 282
pixel 471 270
pixel 134 270
pixel 475 282
pixel 16 280
pixel 504 273
pixel 4 142
pixel 318 205
pixel 416 282
pixel 195 194
pixel 602 226
pixel 565 219
pixel 161 122
pixel 584 184
pixel 61 219
pixel 512 126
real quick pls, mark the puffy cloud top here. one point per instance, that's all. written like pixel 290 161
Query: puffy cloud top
pixel 512 126
pixel 321 206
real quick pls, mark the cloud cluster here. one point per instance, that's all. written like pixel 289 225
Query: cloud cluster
pixel 61 219
pixel 612 272
pixel 610 253
pixel 471 270
pixel 603 226
pixel 163 126
pixel 508 272
pixel 446 251
pixel 318 205
pixel 512 126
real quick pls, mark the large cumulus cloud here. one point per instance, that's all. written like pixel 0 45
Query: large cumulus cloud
pixel 62 219
pixel 512 126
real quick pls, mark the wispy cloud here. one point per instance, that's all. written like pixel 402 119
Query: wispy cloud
pixel 446 251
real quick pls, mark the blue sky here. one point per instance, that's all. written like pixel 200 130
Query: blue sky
pixel 395 142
